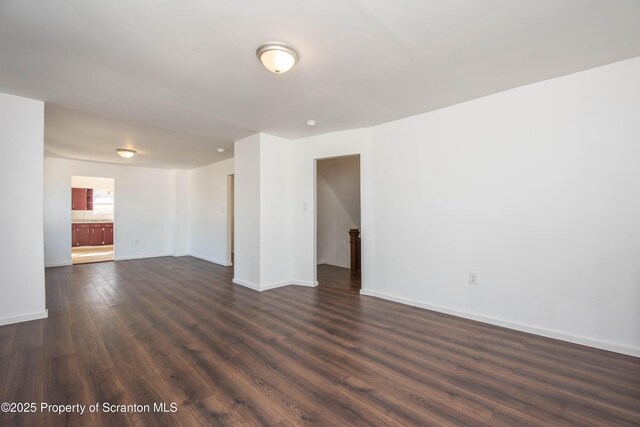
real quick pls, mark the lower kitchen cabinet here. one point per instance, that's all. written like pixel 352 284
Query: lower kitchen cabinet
pixel 92 234
pixel 97 232
pixel 83 235
pixel 108 234
pixel 74 235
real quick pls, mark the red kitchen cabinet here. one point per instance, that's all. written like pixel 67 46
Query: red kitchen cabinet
pixel 84 235
pixel 108 234
pixel 82 199
pixel 92 234
pixel 74 235
pixel 79 199
pixel 97 232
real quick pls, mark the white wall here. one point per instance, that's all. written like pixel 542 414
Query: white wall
pixel 535 189
pixel 276 163
pixel 182 201
pixel 144 209
pixel 247 211
pixel 342 175
pixel 208 218
pixel 263 196
pixel 92 182
pixel 22 291
pixel 336 215
pixel 169 212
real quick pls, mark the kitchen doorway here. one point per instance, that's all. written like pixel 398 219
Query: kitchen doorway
pixel 92 219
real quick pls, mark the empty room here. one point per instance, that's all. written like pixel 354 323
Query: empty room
pixel 326 213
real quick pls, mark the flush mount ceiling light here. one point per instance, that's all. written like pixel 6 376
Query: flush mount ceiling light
pixel 220 150
pixel 126 153
pixel 311 123
pixel 277 57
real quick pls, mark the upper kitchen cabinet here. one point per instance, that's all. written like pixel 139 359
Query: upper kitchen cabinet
pixel 79 199
pixel 82 199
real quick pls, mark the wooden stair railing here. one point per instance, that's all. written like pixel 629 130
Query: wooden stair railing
pixel 354 240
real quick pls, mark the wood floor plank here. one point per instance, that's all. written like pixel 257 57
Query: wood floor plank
pixel 363 394
pixel 63 386
pixel 166 330
pixel 29 335
pixel 7 341
pixel 24 384
pixel 57 337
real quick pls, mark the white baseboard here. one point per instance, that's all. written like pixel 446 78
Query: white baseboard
pixel 58 264
pixel 215 261
pixel 132 257
pixel 180 254
pixel 304 283
pixel 24 318
pixel 260 288
pixel 549 333
pixel 321 261
pixel 246 284
pixel 274 285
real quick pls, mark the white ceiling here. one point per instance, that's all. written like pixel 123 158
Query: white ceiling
pixel 77 135
pixel 190 65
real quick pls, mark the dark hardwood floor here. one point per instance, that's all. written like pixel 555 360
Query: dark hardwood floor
pixel 338 278
pixel 176 330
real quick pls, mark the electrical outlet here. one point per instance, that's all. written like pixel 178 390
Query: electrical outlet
pixel 473 279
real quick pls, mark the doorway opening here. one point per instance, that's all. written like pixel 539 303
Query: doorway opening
pixel 230 219
pixel 338 260
pixel 92 219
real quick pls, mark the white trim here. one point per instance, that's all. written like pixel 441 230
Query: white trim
pixel 304 283
pixel 275 285
pixel 215 261
pixel 246 284
pixel 58 264
pixel 260 288
pixel 24 318
pixel 181 254
pixel 321 261
pixel 132 257
pixel 549 333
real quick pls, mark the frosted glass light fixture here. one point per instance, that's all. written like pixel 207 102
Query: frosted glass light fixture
pixel 277 57
pixel 126 153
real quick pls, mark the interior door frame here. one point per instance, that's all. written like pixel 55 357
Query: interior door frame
pixel 315 212
pixel 231 193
